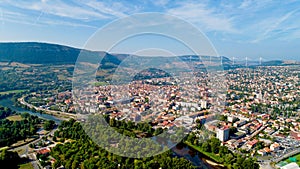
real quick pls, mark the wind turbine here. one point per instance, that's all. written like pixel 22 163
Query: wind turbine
pixel 221 60
pixel 192 64
pixel 260 58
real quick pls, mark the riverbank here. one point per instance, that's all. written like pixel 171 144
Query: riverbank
pixel 212 159
pixel 58 114
pixel 7 102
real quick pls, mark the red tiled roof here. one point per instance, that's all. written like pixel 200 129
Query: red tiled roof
pixel 253 142
pixel 43 151
pixel 295 135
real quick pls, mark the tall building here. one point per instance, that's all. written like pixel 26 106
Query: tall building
pixel 259 95
pixel 203 104
pixel 223 133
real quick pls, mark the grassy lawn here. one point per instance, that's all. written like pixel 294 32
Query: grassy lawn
pixel 20 151
pixel 297 158
pixel 266 157
pixel 14 118
pixel 2 148
pixel 22 141
pixel 213 156
pixel 61 77
pixel 100 84
pixel 26 166
pixel 12 91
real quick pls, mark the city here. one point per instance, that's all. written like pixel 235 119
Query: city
pixel 111 84
pixel 260 117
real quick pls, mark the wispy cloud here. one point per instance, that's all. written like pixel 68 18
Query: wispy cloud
pixel 21 18
pixel 254 5
pixel 1 16
pixel 116 9
pixel 276 26
pixel 205 17
pixel 57 8
pixel 245 4
pixel 245 22
pixel 161 2
pixel 83 11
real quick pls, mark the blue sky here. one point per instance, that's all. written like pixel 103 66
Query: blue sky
pixel 247 28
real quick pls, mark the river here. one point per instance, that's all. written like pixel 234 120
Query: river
pixel 7 102
pixel 186 152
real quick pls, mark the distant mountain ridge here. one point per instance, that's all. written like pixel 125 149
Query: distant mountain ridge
pixel 46 53
pixel 37 53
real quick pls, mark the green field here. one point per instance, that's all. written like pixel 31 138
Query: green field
pixel 14 118
pixel 26 166
pixel 21 142
pixel 100 83
pixel 297 157
pixel 12 91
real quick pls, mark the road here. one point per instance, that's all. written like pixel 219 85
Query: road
pixel 294 152
pixel 265 164
pixel 35 163
pixel 52 112
pixel 32 142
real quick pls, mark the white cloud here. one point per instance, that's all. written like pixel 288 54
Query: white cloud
pixel 21 18
pixel 55 12
pixel 80 10
pixel 114 9
pixel 204 17
pixel 245 4
pixel 274 27
pixel 161 2
pixel 1 16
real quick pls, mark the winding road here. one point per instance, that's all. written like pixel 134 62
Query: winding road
pixel 51 112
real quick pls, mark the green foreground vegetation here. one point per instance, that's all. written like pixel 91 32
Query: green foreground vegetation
pixel 14 118
pixel 221 154
pixel 26 166
pixel 12 91
pixel 13 131
pixel 10 159
pixel 84 153
pixel 295 158
pixel 213 156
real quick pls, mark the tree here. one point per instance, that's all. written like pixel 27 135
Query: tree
pixel 223 118
pixel 9 159
pixel 232 130
pixel 228 158
pixel 49 124
pixel 25 115
pixel 215 143
pixel 223 150
pixel 206 147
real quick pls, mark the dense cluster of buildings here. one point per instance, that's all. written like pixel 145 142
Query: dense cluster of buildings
pixel 262 112
pixel 260 107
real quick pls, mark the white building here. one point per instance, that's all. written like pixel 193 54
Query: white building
pixel 223 133
pixel 291 166
pixel 275 147
pixel 203 104
pixel 231 118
